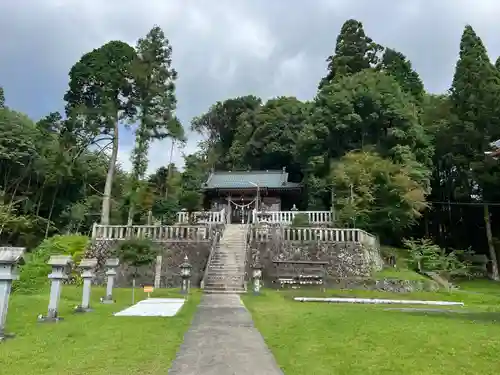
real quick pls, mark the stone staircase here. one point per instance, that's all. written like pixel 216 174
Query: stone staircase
pixel 226 270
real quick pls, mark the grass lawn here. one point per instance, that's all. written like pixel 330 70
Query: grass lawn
pixel 343 339
pixel 92 343
pixel 399 274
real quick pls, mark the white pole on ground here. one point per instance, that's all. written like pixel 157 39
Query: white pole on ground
pixel 378 301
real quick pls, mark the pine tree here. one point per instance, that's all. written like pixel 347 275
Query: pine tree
pixel 398 66
pixel 497 64
pixel 154 97
pixel 2 98
pixel 475 98
pixel 354 52
pixel 475 87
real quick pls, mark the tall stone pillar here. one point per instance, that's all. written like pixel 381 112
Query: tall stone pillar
pixel 9 258
pixel 60 267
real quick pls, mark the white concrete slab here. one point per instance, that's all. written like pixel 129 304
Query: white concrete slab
pixel 154 307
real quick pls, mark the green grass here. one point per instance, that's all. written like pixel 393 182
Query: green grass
pixel 399 274
pixel 343 339
pixel 92 343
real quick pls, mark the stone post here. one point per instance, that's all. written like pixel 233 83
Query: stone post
pixel 256 274
pixel 157 282
pixel 9 258
pixel 186 276
pixel 60 266
pixel 111 266
pixel 87 266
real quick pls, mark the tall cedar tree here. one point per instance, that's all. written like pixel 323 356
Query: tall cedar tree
pixel 354 52
pixel 2 98
pixel 154 97
pixel 399 67
pixel 475 95
pixel 99 94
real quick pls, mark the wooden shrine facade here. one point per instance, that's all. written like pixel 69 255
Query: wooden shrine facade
pixel 242 192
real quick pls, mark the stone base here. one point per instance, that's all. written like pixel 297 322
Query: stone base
pixel 80 309
pixel 46 319
pixel 107 300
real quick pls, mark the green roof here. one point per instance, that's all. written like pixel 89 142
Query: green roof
pixel 249 180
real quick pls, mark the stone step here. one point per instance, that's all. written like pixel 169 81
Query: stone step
pixel 225 278
pixel 228 259
pixel 219 265
pixel 226 255
pixel 226 274
pixel 224 267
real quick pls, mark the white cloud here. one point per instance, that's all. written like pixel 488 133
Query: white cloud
pixel 224 48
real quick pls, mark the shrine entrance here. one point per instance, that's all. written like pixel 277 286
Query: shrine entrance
pixel 241 210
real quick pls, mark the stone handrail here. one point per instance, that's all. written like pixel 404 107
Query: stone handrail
pixel 213 248
pixel 152 232
pixel 286 217
pixel 318 234
pixel 210 217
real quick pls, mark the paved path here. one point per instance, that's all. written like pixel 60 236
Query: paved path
pixel 223 341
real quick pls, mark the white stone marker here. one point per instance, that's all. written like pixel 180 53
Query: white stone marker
pixel 60 265
pixel 87 266
pixel 9 258
pixel 111 265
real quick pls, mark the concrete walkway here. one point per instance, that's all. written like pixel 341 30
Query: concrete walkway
pixel 223 341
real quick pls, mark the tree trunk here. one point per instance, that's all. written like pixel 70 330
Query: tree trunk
pixel 169 168
pixel 106 199
pixel 491 247
pixel 51 210
pixel 131 209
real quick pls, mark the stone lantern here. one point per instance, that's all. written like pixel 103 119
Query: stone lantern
pixel 111 266
pixel 87 266
pixel 256 276
pixel 10 257
pixel 60 267
pixel 185 276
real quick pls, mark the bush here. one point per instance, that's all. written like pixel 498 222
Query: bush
pixel 33 274
pixel 427 256
pixel 300 220
pixel 136 252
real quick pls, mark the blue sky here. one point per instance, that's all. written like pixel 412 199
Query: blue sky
pixel 224 48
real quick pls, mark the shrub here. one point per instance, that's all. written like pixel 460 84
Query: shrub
pixel 33 274
pixel 300 220
pixel 427 256
pixel 136 252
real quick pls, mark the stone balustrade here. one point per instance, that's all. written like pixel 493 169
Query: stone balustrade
pixel 203 217
pixel 317 234
pixel 286 217
pixel 158 233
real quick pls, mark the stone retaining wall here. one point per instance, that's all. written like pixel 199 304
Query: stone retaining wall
pixel 386 285
pixel 172 253
pixel 346 259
